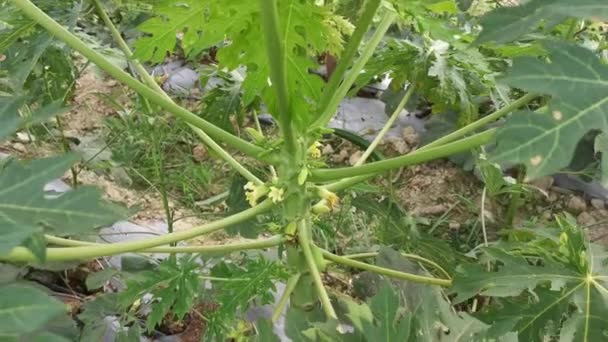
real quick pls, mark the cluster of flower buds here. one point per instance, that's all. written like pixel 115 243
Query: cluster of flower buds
pixel 255 192
pixel 329 201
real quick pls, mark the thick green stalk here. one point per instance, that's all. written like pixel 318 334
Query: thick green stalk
pixel 64 242
pixel 406 160
pixel 305 242
pixel 330 109
pixel 406 255
pixel 522 101
pixel 75 43
pixel 349 53
pixel 289 287
pixel 387 126
pixel 25 255
pixel 88 252
pixel 276 52
pixel 347 182
pixel 385 271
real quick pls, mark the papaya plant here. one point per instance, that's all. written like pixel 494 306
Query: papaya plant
pixel 36 227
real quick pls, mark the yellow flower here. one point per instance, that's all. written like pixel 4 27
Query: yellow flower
pixel 254 192
pixel 276 194
pixel 332 199
pixel 322 207
pixel 314 150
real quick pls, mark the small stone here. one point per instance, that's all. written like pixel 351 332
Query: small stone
pixel 576 204
pixel 327 150
pixel 547 215
pixel 598 203
pixel 398 144
pixel 25 137
pixel 543 183
pixel 354 158
pixel 410 136
pixel 341 156
pixel 199 152
pixel 552 197
pixel 454 226
pixel 19 147
pixel 585 219
pixel 431 210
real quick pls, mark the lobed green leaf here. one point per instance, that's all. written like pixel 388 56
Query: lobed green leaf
pixel 26 209
pixel 509 23
pixel 545 142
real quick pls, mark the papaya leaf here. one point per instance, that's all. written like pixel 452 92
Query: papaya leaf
pixel 220 105
pixel 11 120
pixel 94 314
pixel 506 24
pixel 25 309
pixel 22 58
pixel 98 279
pixel 435 320
pixel 235 26
pixel 202 23
pixel 431 318
pixel 389 325
pixel 48 337
pixel 570 285
pixel 265 333
pixel 173 286
pixel 237 288
pixel 25 208
pixel 9 114
pixel 545 142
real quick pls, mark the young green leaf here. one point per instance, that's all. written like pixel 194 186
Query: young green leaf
pixel 545 142
pixel 242 285
pixel 306 28
pixel 174 288
pixel 94 314
pixel 25 208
